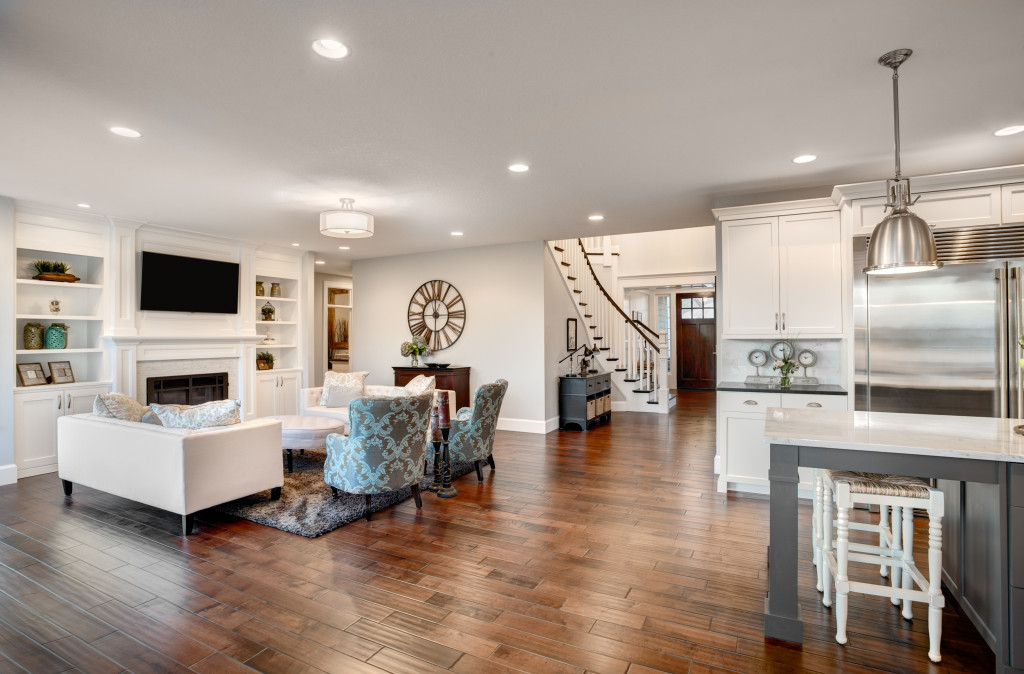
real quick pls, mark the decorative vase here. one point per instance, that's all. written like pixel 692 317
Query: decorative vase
pixel 56 336
pixel 54 306
pixel 275 289
pixel 260 292
pixel 415 360
pixel 33 335
pixel 784 381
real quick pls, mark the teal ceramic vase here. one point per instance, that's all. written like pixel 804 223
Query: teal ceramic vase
pixel 56 336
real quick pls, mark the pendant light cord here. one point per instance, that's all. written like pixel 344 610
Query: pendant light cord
pixel 896 115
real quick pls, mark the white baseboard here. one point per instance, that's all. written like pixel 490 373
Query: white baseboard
pixel 8 474
pixel 552 424
pixel 538 426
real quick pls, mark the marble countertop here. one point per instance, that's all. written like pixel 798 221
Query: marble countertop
pixel 822 389
pixel 923 434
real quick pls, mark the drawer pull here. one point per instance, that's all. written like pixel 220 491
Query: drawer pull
pixel 814 404
pixel 749 402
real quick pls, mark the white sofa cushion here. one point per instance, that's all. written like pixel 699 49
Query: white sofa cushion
pixel 207 415
pixel 118 406
pixel 340 388
pixel 420 384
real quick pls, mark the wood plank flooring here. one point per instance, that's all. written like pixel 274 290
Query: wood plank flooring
pixel 605 552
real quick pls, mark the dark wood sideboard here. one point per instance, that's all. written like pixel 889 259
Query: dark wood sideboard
pixel 453 378
pixel 584 402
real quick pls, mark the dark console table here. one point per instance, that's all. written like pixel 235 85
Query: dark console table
pixel 452 378
pixel 584 401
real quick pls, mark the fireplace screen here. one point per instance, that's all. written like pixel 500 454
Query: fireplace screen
pixel 189 389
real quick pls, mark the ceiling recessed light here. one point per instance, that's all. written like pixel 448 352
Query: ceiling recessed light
pixel 344 247
pixel 295 244
pixel 518 168
pixel 596 217
pixel 1010 130
pixel 804 158
pixel 330 49
pixel 456 233
pixel 125 132
pixel 320 262
pixel 84 206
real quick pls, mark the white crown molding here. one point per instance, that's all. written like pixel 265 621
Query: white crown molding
pixel 781 207
pixel 997 175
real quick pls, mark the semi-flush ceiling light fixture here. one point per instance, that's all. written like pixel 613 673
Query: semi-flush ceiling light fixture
pixel 902 243
pixel 346 222
pixel 1009 130
pixel 330 49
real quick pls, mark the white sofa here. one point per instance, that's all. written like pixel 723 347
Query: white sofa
pixel 309 402
pixel 175 469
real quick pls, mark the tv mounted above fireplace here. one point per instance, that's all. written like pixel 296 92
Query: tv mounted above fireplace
pixel 188 284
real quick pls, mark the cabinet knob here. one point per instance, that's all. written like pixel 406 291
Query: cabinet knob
pixel 814 404
pixel 749 402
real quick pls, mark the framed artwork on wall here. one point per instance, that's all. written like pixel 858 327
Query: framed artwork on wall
pixel 31 374
pixel 61 372
pixel 570 334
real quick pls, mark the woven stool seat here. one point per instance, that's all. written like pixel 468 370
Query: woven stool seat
pixel 881 484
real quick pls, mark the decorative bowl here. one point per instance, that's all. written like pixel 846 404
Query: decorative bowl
pixel 433 365
pixel 440 364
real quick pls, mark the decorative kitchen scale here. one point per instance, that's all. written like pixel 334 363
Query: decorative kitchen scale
pixel 781 349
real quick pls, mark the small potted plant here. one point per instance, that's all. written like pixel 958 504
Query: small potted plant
pixel 268 311
pixel 416 348
pixel 49 270
pixel 265 360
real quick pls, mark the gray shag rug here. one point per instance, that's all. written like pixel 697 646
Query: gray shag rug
pixel 306 506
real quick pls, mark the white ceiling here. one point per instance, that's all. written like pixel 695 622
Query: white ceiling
pixel 644 110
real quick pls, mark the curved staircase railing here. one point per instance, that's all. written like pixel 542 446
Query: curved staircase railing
pixel 625 345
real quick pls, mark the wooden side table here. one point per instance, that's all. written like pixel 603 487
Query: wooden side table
pixel 453 378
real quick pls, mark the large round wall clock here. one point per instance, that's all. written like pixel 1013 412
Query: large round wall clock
pixel 437 313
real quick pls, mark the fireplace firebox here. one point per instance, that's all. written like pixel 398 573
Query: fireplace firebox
pixel 189 389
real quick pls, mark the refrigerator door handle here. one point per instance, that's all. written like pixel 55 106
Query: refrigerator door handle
pixel 1002 349
pixel 1017 274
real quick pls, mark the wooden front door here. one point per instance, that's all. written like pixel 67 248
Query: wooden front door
pixel 695 343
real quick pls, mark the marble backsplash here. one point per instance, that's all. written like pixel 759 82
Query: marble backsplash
pixel 733 365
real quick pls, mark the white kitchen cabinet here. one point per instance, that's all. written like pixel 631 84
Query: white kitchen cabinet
pixel 36 410
pixel 743 455
pixel 277 392
pixel 782 276
pixel 1013 203
pixel 944 209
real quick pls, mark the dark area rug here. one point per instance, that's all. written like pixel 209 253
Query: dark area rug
pixel 306 506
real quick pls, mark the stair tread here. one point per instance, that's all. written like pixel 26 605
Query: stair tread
pixel 571 278
pixel 588 316
pixel 620 369
pixel 631 380
pixel 576 291
pixel 642 390
pixel 583 304
pixel 612 358
pixel 652 402
pixel 566 264
pixel 560 250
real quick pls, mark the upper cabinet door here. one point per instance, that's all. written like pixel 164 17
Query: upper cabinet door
pixel 750 289
pixel 1013 203
pixel 810 275
pixel 970 207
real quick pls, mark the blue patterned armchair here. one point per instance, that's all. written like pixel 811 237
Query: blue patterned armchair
pixel 472 434
pixel 385 449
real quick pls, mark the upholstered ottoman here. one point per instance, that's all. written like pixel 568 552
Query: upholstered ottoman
pixel 306 432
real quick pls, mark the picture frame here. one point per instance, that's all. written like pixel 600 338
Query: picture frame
pixel 570 334
pixel 31 374
pixel 61 372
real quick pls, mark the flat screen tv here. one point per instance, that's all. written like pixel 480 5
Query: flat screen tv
pixel 188 284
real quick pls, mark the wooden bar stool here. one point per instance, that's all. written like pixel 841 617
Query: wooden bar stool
pixel 901 495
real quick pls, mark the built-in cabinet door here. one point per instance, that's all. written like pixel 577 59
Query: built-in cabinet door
pixel 750 288
pixel 747 454
pixel 288 394
pixel 1013 203
pixel 266 395
pixel 35 431
pixel 80 400
pixel 810 275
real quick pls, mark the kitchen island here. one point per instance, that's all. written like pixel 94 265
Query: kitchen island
pixel 965 449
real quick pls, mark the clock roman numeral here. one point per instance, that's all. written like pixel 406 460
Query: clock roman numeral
pixel 418 327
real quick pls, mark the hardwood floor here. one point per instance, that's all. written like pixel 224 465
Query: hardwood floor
pixel 604 552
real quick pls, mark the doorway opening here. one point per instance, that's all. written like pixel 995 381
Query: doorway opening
pixel 695 343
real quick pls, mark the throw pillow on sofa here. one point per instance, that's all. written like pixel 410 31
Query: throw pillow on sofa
pixel 207 415
pixel 340 388
pixel 118 406
pixel 419 385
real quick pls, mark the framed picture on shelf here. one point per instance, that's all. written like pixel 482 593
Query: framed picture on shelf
pixel 61 372
pixel 31 374
pixel 570 334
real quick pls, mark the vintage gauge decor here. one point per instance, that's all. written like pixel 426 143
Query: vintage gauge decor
pixel 437 313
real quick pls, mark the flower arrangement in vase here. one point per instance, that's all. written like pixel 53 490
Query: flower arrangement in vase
pixel 416 348
pixel 785 367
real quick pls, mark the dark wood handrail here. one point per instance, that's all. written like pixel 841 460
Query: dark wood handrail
pixel 645 327
pixel 612 302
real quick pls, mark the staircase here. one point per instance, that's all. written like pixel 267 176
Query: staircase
pixel 635 355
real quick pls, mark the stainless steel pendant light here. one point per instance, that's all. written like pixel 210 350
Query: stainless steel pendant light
pixel 902 243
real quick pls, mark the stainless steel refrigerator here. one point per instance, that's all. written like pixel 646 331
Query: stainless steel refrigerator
pixel 945 342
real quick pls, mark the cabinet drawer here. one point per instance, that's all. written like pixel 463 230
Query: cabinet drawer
pixel 737 401
pixel 794 400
